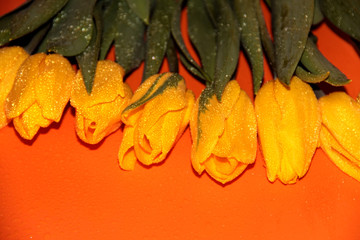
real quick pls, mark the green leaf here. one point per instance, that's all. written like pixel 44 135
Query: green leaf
pixel 202 34
pixel 172 81
pixel 157 37
pixel 171 56
pixel 228 44
pixel 88 59
pixel 36 37
pixel 250 38
pixel 265 37
pixel 110 24
pixel 185 57
pixel 72 29
pixel 204 100
pixel 344 14
pixel 318 16
pixel 190 67
pixel 316 63
pixel 291 21
pixel 141 8
pixel 28 18
pixel 210 6
pixel 129 38
pixel 311 77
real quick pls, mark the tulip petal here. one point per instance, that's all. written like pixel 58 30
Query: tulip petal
pixel 268 128
pixel 340 132
pixel 22 94
pixel 159 125
pixel 224 134
pixel 108 84
pixel 152 87
pixel 289 124
pixel 29 122
pixel 127 157
pixel 339 156
pixel 96 122
pixel 190 100
pixel 341 115
pixel 99 114
pixel 171 100
pixel 223 169
pixel 157 114
pixel 11 59
pixel 239 137
pixel 53 85
pixel 207 125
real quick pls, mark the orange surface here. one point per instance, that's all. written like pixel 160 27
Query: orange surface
pixel 56 187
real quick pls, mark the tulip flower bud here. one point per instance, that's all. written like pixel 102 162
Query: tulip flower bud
pixel 223 133
pixel 289 124
pixel 340 131
pixel 11 59
pixel 40 93
pixel 99 114
pixel 156 117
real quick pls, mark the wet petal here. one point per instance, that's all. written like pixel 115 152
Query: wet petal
pixel 22 94
pixel 53 85
pixel 11 59
pixel 289 124
pixel 29 122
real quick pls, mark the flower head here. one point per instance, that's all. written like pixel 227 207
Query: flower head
pixel 340 131
pixel 40 93
pixel 288 124
pixel 11 59
pixel 156 117
pixel 223 133
pixel 98 114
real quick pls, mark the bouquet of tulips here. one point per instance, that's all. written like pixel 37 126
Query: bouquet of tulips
pixel 54 52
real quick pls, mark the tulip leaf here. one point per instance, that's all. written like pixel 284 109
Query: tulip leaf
pixel 191 67
pixel 129 38
pixel 171 56
pixel 265 37
pixel 204 100
pixel 210 6
pixel 36 37
pixel 316 63
pixel 71 29
pixel 310 77
pixel 185 56
pixel 344 14
pixel 203 35
pixel 28 18
pixel 87 60
pixel 291 21
pixel 172 81
pixel 110 24
pixel 141 8
pixel 318 15
pixel 227 46
pixel 250 38
pixel 157 37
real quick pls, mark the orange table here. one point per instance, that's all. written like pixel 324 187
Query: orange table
pixel 56 187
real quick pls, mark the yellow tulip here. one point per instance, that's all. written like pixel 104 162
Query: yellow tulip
pixel 156 117
pixel 40 93
pixel 99 114
pixel 223 133
pixel 340 131
pixel 288 124
pixel 11 59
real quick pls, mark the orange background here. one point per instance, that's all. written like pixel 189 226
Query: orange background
pixel 56 187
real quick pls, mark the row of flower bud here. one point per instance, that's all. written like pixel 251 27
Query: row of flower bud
pixel 290 122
